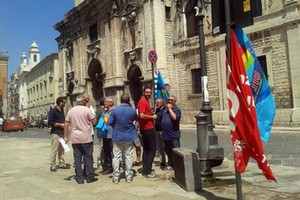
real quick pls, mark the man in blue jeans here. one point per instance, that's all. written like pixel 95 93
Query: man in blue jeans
pixel 80 118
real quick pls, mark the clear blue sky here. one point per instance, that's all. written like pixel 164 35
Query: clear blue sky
pixel 22 21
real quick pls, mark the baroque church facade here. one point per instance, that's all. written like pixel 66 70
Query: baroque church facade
pixel 104 45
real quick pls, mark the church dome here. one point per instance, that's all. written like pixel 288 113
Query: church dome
pixel 34 47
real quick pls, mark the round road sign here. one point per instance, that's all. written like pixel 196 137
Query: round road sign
pixel 152 56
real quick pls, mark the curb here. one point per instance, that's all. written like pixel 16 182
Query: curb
pixel 223 127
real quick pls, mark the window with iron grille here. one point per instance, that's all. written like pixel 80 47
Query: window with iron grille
pixel 263 63
pixel 93 32
pixel 196 81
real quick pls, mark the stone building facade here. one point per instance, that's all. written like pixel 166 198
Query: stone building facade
pixel 42 87
pixel 3 83
pixel 34 87
pixel 103 48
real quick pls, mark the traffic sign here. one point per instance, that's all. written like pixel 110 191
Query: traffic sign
pixel 152 56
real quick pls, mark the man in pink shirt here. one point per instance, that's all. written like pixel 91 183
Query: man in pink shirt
pixel 79 119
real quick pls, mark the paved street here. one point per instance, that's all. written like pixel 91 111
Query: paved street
pixel 25 174
pixel 281 150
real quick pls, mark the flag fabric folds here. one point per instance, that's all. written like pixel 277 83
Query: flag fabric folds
pixel 161 91
pixel 263 98
pixel 243 122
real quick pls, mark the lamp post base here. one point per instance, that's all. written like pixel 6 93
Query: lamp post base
pixel 211 154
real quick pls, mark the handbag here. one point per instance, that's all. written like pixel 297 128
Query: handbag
pixel 101 126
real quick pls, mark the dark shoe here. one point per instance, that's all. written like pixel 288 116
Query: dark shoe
pixel 137 163
pixel 53 169
pixel 109 171
pixel 103 170
pixel 91 180
pixel 79 182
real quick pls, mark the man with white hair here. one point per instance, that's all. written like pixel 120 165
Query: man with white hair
pixel 79 119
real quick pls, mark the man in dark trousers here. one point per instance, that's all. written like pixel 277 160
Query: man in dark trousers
pixel 160 108
pixel 170 129
pixel 146 119
pixel 79 119
pixel 56 120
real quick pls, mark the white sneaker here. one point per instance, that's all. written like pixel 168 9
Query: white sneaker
pixel 151 175
pixel 115 180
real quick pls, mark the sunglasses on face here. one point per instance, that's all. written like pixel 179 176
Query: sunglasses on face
pixel 170 99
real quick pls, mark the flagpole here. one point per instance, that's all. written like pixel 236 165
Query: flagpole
pixel 153 86
pixel 238 178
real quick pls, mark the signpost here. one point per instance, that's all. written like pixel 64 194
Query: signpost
pixel 152 56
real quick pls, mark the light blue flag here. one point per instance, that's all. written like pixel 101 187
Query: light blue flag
pixel 161 88
pixel 264 101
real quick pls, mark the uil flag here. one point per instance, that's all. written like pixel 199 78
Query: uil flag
pixel 161 88
pixel 243 123
pixel 263 98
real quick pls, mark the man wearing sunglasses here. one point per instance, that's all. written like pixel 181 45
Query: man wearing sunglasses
pixel 170 129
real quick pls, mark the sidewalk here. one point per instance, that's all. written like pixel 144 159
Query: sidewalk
pixel 25 175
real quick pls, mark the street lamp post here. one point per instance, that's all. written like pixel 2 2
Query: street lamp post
pixel 211 154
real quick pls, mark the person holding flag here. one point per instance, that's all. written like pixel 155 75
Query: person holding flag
pixel 161 91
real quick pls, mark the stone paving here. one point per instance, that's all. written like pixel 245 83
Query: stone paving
pixel 25 175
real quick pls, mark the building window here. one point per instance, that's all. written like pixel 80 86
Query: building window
pixel 34 58
pixel 93 32
pixel 191 19
pixel 257 8
pixel 196 80
pixel 263 63
pixel 168 12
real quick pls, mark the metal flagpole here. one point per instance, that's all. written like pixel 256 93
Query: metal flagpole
pixel 238 178
pixel 153 86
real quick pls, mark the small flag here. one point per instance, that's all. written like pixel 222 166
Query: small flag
pixel 243 122
pixel 161 91
pixel 264 101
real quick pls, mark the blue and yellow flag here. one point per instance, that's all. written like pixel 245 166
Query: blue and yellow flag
pixel 161 91
pixel 264 101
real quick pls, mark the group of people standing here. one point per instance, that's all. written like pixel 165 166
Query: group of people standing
pixel 117 133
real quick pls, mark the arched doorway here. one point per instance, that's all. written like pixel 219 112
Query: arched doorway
pixel 134 75
pixel 97 77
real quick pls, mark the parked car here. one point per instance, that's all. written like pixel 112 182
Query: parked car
pixel 13 124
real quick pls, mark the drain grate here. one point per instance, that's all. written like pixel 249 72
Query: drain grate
pixel 219 182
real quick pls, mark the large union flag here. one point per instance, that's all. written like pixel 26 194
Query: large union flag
pixel 243 123
pixel 263 98
pixel 161 91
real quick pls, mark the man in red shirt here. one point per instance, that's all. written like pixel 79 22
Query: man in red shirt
pixel 146 119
